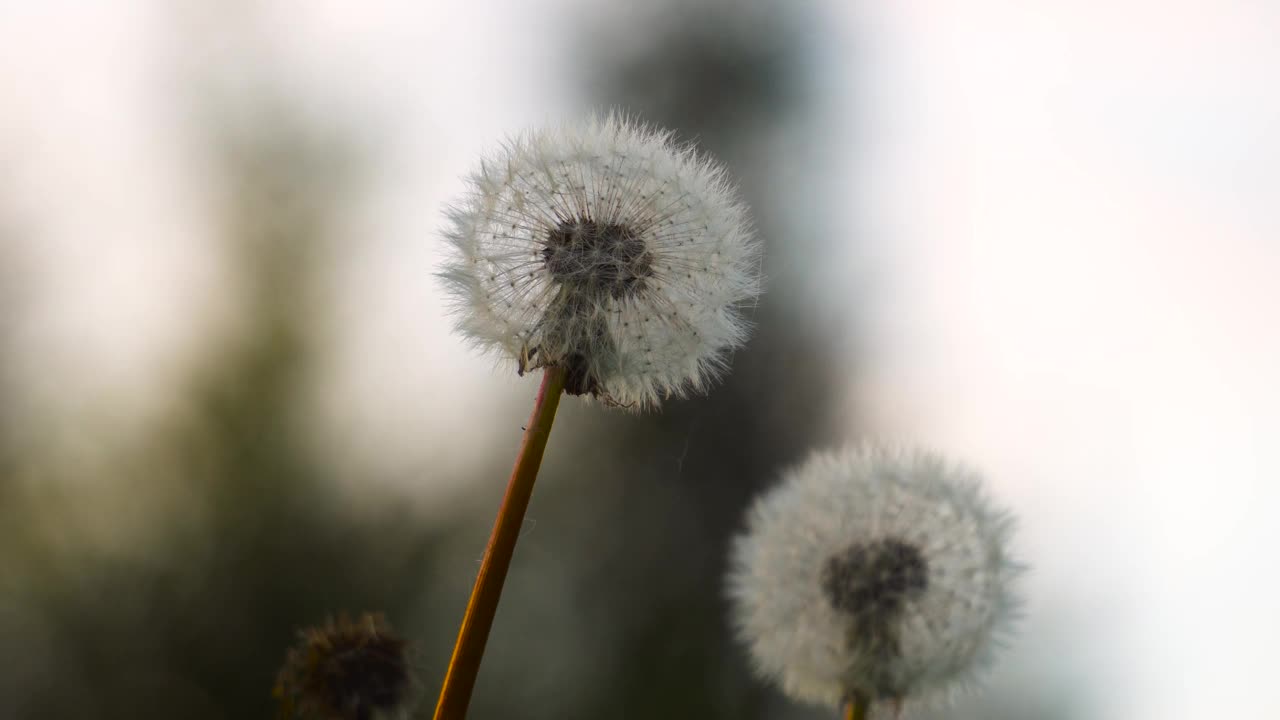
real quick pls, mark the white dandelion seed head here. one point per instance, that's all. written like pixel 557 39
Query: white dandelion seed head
pixel 873 572
pixel 604 248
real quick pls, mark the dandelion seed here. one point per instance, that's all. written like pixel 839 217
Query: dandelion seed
pixel 604 249
pixel 615 261
pixel 346 670
pixel 873 574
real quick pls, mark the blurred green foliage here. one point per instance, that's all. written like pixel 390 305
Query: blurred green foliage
pixel 197 623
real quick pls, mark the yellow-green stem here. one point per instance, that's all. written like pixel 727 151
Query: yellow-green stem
pixel 460 678
pixel 857 708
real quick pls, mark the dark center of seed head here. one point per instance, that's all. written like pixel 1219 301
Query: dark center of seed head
pixel 874 579
pixel 597 260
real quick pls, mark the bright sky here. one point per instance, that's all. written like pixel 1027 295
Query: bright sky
pixel 1070 210
pixel 1077 207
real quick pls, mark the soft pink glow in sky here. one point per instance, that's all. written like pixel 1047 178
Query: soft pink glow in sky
pixel 1080 229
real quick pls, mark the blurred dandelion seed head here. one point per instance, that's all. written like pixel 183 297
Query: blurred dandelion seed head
pixel 605 249
pixel 346 670
pixel 875 572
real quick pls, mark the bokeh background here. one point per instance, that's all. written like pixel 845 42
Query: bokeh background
pixel 1041 237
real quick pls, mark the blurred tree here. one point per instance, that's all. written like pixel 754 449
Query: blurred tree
pixel 197 623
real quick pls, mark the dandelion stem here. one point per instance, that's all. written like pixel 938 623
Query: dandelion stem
pixel 857 708
pixel 460 678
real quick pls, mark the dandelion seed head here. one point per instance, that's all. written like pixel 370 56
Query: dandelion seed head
pixel 604 248
pixel 873 572
pixel 346 669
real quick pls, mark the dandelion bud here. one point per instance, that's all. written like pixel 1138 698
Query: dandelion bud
pixel 604 249
pixel 873 574
pixel 346 670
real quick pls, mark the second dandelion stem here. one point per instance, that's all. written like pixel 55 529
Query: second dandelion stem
pixel 460 678
pixel 857 708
